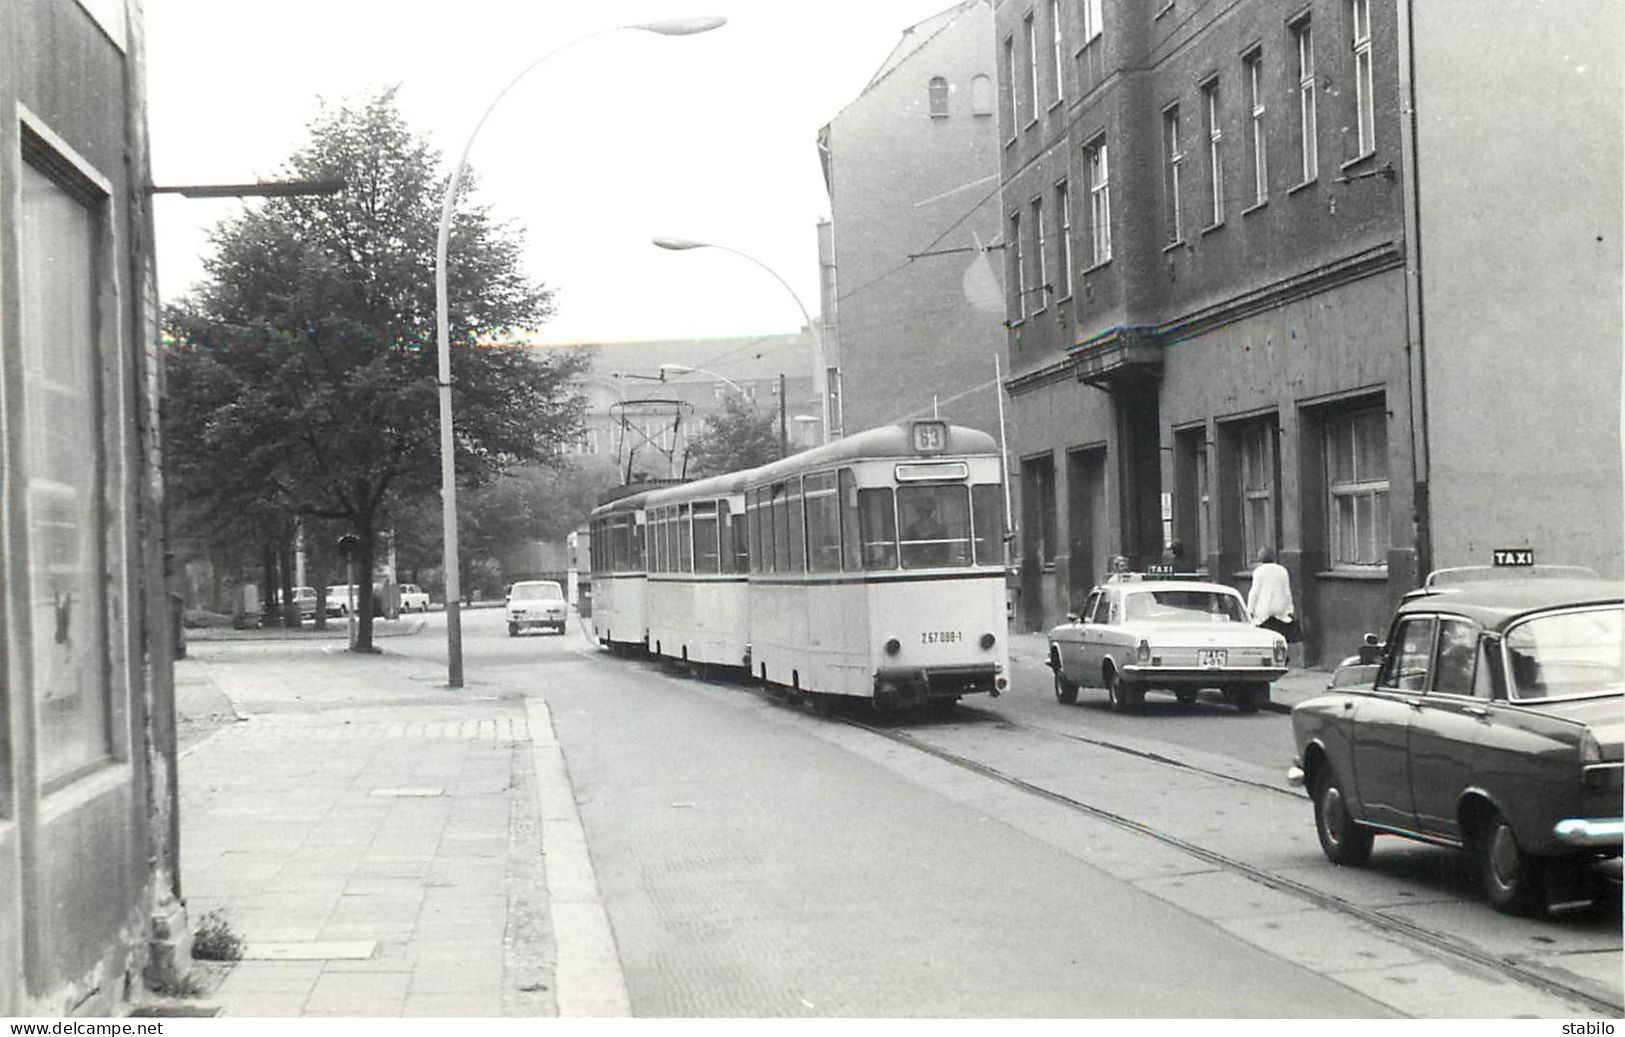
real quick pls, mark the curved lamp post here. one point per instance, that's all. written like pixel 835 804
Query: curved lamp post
pixel 684 369
pixel 448 468
pixel 684 244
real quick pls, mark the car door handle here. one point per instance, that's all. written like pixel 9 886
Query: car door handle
pixel 1480 712
pixel 1415 704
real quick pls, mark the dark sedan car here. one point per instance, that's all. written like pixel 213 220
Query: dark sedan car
pixel 1491 720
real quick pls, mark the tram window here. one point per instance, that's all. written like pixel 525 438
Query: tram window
pixel 781 529
pixel 725 552
pixel 753 513
pixel 617 545
pixel 706 557
pixel 770 556
pixel 741 544
pixel 851 543
pixel 657 557
pixel 936 525
pixel 823 524
pixel 878 526
pixel 798 530
pixel 987 519
pixel 685 540
pixel 668 535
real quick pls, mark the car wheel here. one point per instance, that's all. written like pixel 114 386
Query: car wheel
pixel 1250 698
pixel 1126 696
pixel 1066 691
pixel 1344 840
pixel 1512 877
pixel 513 629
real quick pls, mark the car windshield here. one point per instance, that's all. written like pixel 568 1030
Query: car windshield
pixel 1183 606
pixel 537 591
pixel 1568 653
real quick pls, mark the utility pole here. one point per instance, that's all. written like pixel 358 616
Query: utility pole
pixel 784 422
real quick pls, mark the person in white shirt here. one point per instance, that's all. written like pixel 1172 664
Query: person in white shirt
pixel 1269 600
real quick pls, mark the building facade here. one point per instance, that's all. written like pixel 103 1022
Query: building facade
pixel 910 299
pixel 89 891
pixel 1215 289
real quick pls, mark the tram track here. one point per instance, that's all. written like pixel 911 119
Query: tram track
pixel 1435 941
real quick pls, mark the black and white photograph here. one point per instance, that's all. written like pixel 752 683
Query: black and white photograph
pixel 928 511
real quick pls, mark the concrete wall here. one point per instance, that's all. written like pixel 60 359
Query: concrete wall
pixel 1519 196
pixel 904 182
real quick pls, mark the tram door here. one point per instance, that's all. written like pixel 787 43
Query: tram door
pixel 1086 522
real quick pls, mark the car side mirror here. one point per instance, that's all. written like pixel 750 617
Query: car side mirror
pixel 1371 650
pixel 1073 617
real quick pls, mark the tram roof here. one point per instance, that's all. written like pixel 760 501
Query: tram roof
pixel 885 442
pixel 714 486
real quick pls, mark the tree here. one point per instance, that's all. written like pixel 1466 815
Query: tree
pixel 737 436
pixel 303 373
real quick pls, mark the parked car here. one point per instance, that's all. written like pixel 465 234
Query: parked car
pixel 413 598
pixel 536 603
pixel 1490 720
pixel 1139 632
pixel 306 599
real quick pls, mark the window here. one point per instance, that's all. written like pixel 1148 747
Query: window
pixel 1256 445
pixel 1308 154
pixel 1458 655
pixel 1357 488
pixel 1193 511
pixel 753 529
pixel 936 526
pixel 937 91
pixel 1365 114
pixel 1093 21
pixel 878 528
pixel 1032 66
pixel 1038 509
pixel 1173 158
pixel 981 95
pixel 1010 92
pixel 1258 152
pixel 740 539
pixel 60 241
pixel 851 540
pixel 1018 273
pixel 781 528
pixel 987 520
pixel 1040 258
pixel 797 527
pixel 1215 152
pixel 1063 225
pixel 1409 654
pixel 1100 202
pixel 685 540
pixel 1056 47
pixel 823 524
pixel 707 548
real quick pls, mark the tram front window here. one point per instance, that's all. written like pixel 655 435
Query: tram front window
pixel 936 526
pixel 878 524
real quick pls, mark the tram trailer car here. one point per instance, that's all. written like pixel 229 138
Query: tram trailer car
pixel 619 580
pixel 877 568
pixel 698 594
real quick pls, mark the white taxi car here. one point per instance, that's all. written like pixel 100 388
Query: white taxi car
pixel 414 598
pixel 536 603
pixel 1139 632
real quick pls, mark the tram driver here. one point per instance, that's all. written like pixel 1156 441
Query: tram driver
pixel 925 538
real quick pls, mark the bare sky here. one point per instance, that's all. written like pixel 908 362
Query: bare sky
pixel 615 140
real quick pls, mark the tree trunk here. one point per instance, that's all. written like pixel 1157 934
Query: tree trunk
pixel 365 547
pixel 290 606
pixel 267 584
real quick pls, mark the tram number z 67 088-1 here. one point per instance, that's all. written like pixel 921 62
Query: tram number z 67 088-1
pixel 941 637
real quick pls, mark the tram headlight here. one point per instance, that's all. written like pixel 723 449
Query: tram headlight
pixel 893 646
pixel 988 640
pixel 1143 653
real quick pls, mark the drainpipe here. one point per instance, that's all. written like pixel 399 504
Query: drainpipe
pixel 1415 338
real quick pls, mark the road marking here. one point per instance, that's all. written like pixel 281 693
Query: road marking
pixel 587 980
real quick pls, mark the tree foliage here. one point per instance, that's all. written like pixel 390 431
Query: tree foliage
pixel 302 375
pixel 736 436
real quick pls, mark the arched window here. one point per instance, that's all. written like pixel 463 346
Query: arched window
pixel 938 89
pixel 981 95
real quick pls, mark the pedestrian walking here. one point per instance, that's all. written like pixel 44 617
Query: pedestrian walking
pixel 1269 601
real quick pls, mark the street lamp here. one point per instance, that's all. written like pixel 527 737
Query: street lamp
pixel 684 369
pixel 819 374
pixel 448 468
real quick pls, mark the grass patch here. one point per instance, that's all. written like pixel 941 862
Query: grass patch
pixel 214 939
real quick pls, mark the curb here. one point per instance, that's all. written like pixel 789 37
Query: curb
pixel 280 634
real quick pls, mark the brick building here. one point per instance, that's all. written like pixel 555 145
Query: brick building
pixel 910 302
pixel 1252 301
pixel 89 888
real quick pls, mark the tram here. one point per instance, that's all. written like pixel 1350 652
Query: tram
pixel 620 620
pixel 698 594
pixel 871 568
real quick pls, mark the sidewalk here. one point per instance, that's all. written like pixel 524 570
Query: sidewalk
pixel 374 836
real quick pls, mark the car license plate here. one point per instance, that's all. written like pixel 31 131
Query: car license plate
pixel 1211 658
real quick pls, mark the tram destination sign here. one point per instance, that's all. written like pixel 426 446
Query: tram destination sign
pixel 1513 556
pixel 930 437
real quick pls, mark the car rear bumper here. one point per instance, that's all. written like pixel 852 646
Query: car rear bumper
pixel 1590 831
pixel 1202 676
